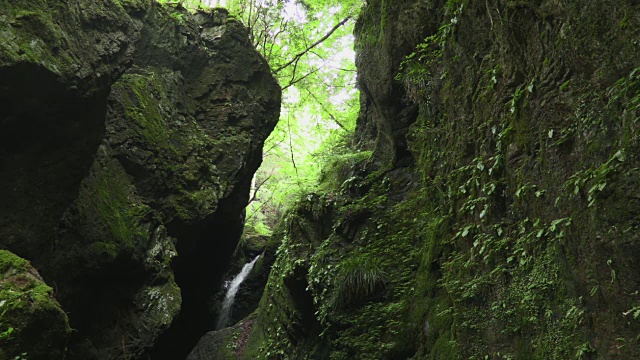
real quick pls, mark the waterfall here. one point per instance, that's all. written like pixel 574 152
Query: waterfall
pixel 232 289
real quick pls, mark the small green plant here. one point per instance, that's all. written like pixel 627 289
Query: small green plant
pixel 6 334
pixel 416 71
pixel 513 103
pixel 178 16
pixel 583 350
pixel 357 279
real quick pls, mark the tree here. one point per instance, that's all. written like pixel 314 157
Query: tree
pixel 309 45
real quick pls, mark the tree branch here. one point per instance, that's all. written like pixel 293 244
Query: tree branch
pixel 293 82
pixel 318 42
pixel 293 161
pixel 257 188
pixel 327 111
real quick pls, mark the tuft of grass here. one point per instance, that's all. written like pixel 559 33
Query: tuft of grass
pixel 357 279
pixel 338 173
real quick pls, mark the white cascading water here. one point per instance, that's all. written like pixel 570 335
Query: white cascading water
pixel 232 289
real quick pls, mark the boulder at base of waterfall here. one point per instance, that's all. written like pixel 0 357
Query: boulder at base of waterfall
pixel 225 344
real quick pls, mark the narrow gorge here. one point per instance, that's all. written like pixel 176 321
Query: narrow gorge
pixel 485 207
pixel 130 132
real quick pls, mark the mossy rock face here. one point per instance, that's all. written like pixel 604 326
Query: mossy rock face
pixel 179 143
pixel 130 131
pixel 336 287
pixel 57 61
pixel 31 319
pixel 506 227
pixel 45 33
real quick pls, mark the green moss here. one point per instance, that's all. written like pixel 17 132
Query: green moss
pixel 109 210
pixel 337 173
pixel 255 343
pixel 368 36
pixel 139 95
pixel 445 348
pixel 11 262
pixel 35 37
pixel 195 204
pixel 26 303
pixel 104 251
pixel 383 19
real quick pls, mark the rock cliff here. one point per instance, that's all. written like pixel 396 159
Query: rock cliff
pixel 490 210
pixel 129 134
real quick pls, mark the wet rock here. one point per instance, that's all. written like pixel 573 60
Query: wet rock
pixel 225 344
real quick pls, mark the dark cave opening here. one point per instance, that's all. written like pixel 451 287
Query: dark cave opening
pixel 48 135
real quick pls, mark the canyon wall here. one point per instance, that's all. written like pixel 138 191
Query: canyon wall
pixel 490 209
pixel 129 134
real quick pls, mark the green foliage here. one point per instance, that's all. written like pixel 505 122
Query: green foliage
pixel 256 227
pixel 338 172
pixel 417 69
pixel 627 91
pixel 187 4
pixel 356 279
pixel 308 46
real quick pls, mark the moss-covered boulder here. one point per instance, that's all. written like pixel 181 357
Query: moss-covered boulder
pixel 32 323
pixel 226 344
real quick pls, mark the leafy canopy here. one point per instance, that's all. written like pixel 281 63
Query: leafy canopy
pixel 309 46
